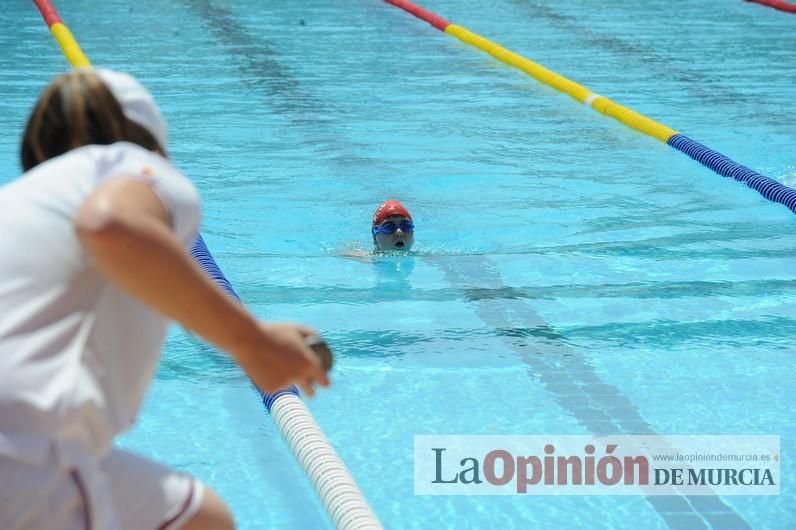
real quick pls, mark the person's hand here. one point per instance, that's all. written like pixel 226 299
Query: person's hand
pixel 281 358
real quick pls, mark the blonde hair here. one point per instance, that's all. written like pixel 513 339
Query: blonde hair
pixel 77 109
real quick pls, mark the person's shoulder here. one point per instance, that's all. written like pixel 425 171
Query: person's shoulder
pixel 126 157
pixel 74 162
pixel 98 159
pixel 129 151
pixel 353 250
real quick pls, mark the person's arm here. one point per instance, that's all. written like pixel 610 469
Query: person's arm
pixel 125 229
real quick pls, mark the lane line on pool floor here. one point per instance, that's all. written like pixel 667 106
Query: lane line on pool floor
pixel 255 57
pixel 573 383
pixel 769 188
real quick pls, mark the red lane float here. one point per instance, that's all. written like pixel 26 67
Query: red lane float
pixel 782 5
pixel 48 12
pixel 423 14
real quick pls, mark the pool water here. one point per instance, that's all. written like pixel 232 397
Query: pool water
pixel 570 275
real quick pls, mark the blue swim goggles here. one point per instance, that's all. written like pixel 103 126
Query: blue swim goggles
pixel 389 227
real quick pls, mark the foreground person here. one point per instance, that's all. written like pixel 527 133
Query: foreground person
pixel 94 246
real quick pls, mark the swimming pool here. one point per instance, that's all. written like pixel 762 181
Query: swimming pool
pixel 556 249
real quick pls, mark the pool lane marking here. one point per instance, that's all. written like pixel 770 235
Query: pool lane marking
pixel 573 382
pixel 717 162
pixel 255 58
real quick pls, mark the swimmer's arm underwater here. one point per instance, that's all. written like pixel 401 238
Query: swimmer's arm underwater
pixel 125 229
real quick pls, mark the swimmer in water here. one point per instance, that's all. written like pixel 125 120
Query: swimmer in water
pixel 392 227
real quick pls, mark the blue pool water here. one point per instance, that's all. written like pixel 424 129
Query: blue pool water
pixel 571 276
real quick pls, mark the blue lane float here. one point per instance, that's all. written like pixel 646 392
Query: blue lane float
pixel 204 259
pixel 726 167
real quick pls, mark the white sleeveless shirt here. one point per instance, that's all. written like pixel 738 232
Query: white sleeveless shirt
pixel 76 353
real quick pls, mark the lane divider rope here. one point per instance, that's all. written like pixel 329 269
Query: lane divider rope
pixel 62 35
pixel 337 489
pixel 766 186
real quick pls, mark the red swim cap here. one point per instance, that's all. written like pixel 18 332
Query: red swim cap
pixel 391 207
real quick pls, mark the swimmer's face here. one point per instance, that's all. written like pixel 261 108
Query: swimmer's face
pixel 397 240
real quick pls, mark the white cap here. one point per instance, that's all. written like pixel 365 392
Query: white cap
pixel 136 102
